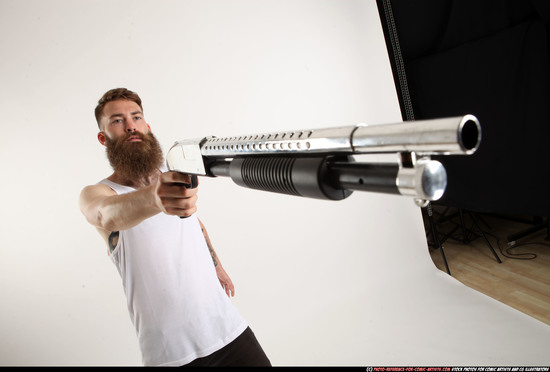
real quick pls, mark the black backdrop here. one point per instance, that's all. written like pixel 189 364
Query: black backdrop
pixel 490 59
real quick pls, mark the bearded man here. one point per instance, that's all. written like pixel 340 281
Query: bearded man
pixel 182 315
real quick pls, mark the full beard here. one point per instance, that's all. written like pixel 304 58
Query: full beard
pixel 135 160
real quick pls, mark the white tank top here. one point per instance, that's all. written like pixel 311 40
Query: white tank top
pixel 175 299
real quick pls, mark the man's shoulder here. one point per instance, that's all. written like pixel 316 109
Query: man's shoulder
pixel 97 189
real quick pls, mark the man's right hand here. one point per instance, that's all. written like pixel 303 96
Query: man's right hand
pixel 173 195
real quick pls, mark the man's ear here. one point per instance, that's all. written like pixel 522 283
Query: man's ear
pixel 148 126
pixel 101 138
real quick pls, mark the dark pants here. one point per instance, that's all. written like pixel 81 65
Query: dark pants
pixel 244 351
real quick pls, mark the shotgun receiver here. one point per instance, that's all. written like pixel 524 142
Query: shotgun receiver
pixel 319 163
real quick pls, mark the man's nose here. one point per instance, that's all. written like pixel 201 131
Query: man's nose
pixel 130 126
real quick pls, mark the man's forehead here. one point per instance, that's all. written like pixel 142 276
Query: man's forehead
pixel 120 107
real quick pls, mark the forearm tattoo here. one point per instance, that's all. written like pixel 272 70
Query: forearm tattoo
pixel 212 253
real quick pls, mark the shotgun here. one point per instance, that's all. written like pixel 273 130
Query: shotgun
pixel 321 164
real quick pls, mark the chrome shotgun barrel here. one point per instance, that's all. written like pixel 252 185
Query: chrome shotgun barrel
pixel 451 136
pixel 457 135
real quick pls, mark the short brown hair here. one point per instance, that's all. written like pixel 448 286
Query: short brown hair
pixel 113 95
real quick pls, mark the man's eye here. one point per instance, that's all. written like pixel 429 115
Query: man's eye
pixel 117 121
pixel 137 118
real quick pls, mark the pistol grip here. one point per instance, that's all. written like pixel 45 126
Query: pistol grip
pixel 194 184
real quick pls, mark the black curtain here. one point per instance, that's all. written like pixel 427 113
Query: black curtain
pixel 490 59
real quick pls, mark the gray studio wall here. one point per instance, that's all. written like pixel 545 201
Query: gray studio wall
pixel 321 283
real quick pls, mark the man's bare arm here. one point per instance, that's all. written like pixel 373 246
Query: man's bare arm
pixel 106 210
pixel 224 279
pixel 209 244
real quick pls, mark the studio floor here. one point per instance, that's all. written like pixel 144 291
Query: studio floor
pixel 521 280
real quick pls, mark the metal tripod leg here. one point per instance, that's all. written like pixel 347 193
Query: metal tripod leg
pixel 485 237
pixel 435 237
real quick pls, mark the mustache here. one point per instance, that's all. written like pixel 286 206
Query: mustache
pixel 133 134
pixel 122 140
